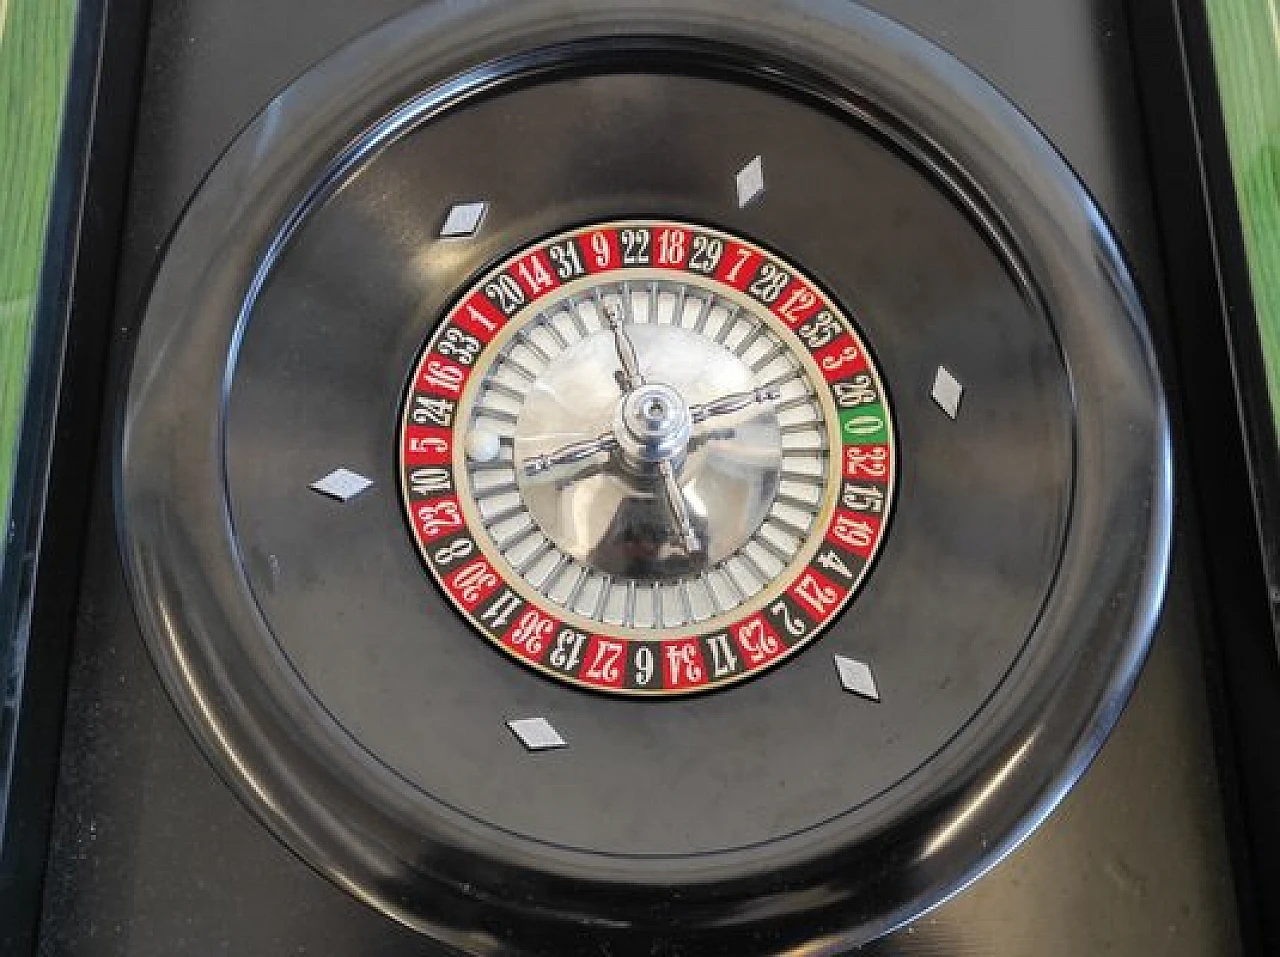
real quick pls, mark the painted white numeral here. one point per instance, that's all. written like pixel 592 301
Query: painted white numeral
pixel 568 650
pixel 532 631
pixel 501 610
pixel 858 391
pixel 864 425
pixel 820 599
pixel 682 664
pixel 600 247
pixel 799 301
pixel 866 462
pixel 604 663
pixel 756 642
pixel 670 247
pixel 454 551
pixel 427 443
pixel 644 665
pixel 706 254
pixel 425 481
pixel 862 498
pixel 819 330
pixel 428 410
pixel 439 518
pixel 459 346
pixel 635 247
pixel 535 275
pixel 472 580
pixel 506 294
pixel 855 533
pixel 768 285
pixel 723 661
pixel 848 354
pixel 832 562
pixel 567 261
pixel 448 378
pixel 743 256
pixel 795 626
pixel 480 319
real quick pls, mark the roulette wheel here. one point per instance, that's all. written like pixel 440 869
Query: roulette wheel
pixel 645 478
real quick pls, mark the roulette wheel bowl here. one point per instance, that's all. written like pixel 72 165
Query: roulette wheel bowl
pixel 184 495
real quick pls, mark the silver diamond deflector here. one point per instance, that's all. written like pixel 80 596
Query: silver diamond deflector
pixel 463 219
pixel 342 484
pixel 750 182
pixel 856 677
pixel 537 734
pixel 947 392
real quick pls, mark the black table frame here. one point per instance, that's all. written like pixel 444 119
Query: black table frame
pixel 1215 332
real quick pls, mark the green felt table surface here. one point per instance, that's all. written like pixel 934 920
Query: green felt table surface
pixel 35 44
pixel 1246 48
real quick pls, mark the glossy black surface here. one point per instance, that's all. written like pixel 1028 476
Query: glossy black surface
pixel 969 561
pixel 492 846
pixel 183 792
